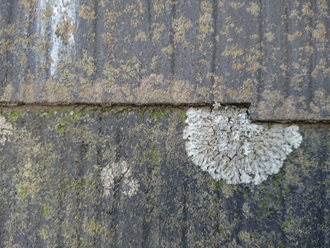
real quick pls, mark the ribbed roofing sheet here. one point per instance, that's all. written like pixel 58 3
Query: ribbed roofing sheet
pixel 271 54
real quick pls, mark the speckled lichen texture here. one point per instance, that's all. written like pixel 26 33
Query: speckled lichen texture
pixel 272 54
pixel 56 192
pixel 223 141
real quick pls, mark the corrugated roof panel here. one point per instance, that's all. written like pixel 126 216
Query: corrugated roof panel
pixel 272 54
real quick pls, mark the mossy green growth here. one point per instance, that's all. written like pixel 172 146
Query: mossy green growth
pixel 218 186
pixel 46 211
pixel 40 111
pixel 67 121
pixel 53 112
pixel 23 191
pixel 246 194
pixel 287 222
pixel 13 115
pixel 183 117
pixel 154 156
pixel 158 112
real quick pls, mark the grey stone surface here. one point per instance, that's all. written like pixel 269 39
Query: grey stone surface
pixel 53 195
pixel 95 157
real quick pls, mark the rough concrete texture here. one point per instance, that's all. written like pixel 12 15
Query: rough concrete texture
pixel 53 192
pixel 271 54
pixel 97 174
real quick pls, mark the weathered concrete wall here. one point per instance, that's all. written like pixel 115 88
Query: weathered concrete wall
pixel 110 169
pixel 53 195
pixel 272 54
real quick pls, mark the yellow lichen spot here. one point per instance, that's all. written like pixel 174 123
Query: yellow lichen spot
pixel 157 79
pixel 141 36
pixel 142 8
pixel 206 7
pixel 203 91
pixel 297 79
pixel 254 9
pixel 168 50
pixel 293 14
pixel 159 7
pixel 154 62
pixel 296 66
pixel 46 14
pixel 87 63
pixel 110 20
pixel 157 32
pixel 272 98
pixel 102 3
pixel 309 29
pixel 320 32
pixel 253 60
pixel 319 67
pixel 135 22
pixel 307 9
pixel 23 61
pixel 8 92
pixel 65 31
pixel 270 36
pixel 326 72
pixel 205 26
pixel 239 30
pixel 254 36
pixel 126 89
pixel 323 6
pixel 232 51
pixel 237 66
pixel 180 26
pixel 314 108
pixel 204 62
pixel 291 37
pixel 85 13
pixel 232 93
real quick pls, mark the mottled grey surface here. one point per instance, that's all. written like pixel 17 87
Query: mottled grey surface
pixel 52 194
pixel 272 54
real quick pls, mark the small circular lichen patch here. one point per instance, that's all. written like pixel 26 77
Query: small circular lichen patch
pixel 6 129
pixel 123 173
pixel 224 142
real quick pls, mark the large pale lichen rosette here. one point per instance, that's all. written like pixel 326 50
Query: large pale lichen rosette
pixel 224 142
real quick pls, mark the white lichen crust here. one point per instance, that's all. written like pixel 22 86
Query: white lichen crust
pixel 123 173
pixel 225 143
pixel 6 129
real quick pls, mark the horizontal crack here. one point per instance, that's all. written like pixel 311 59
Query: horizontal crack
pixel 110 104
pixel 21 106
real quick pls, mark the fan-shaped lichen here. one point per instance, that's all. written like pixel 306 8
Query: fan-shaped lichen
pixel 224 142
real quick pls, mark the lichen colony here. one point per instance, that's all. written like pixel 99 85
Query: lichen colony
pixel 224 142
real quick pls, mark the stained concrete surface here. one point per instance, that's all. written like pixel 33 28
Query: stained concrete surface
pixel 159 56
pixel 271 54
pixel 52 193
